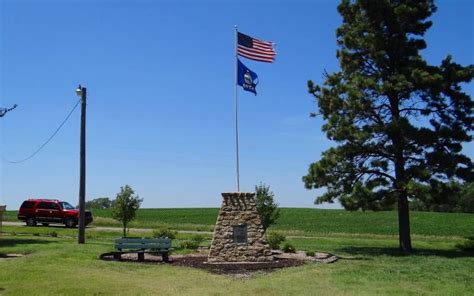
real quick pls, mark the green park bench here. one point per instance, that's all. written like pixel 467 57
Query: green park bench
pixel 141 246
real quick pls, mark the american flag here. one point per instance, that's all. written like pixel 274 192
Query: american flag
pixel 255 49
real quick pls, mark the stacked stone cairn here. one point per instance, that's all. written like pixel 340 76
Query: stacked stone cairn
pixel 239 235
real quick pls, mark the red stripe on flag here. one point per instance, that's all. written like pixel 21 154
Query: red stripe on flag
pixel 256 51
pixel 268 45
pixel 256 46
pixel 256 57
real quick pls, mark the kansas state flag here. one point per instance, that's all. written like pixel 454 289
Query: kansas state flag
pixel 246 78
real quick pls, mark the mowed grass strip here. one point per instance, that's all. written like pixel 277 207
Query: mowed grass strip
pixel 301 221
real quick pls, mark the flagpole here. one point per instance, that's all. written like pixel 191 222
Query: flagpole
pixel 236 113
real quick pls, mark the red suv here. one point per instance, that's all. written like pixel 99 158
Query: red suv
pixel 48 211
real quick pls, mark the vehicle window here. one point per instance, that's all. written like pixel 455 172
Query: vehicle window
pixel 43 205
pixel 27 204
pixel 48 206
pixel 66 205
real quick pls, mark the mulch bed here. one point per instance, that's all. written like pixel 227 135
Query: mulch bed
pixel 235 268
pixel 199 261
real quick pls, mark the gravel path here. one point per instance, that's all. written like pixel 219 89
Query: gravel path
pixel 144 230
pixel 8 223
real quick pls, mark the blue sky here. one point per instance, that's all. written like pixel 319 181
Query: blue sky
pixel 160 78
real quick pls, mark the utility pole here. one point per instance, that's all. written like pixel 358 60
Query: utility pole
pixel 82 92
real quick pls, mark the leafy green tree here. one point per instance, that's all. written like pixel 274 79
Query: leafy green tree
pixel 267 208
pixel 125 206
pixel 102 203
pixel 396 119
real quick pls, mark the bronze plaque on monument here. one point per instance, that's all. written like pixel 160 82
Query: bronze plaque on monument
pixel 240 234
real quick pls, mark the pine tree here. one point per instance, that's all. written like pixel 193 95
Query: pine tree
pixel 397 120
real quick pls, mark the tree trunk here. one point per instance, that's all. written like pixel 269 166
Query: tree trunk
pixel 124 229
pixel 404 223
pixel 401 179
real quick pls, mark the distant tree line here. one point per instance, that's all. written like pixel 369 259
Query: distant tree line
pixel 435 197
pixel 444 197
pixel 102 203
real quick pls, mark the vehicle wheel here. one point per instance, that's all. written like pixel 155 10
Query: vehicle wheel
pixel 31 221
pixel 70 222
pixel 45 224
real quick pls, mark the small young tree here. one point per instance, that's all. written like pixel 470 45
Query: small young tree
pixel 267 208
pixel 125 206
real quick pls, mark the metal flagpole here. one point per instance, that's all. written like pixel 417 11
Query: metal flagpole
pixel 236 112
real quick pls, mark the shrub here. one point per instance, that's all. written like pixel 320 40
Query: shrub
pixel 275 239
pixel 288 248
pixel 54 234
pixel 165 232
pixel 36 234
pixel 193 243
pixel 198 239
pixel 310 253
pixel 13 233
pixel 467 246
pixel 189 244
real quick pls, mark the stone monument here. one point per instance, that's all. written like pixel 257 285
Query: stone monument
pixel 239 235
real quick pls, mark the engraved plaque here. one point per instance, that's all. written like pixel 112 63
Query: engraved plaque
pixel 240 234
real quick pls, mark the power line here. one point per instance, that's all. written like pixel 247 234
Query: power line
pixel 47 141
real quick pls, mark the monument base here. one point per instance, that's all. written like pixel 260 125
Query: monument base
pixel 239 235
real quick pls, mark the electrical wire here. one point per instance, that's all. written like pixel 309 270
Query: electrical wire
pixel 46 142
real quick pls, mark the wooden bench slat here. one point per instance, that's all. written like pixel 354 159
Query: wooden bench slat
pixel 149 244
pixel 142 240
pixel 138 246
pixel 144 244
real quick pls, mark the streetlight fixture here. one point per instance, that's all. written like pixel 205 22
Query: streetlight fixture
pixel 79 91
pixel 82 93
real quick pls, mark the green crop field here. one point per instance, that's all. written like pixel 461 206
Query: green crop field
pixel 301 220
pixel 367 243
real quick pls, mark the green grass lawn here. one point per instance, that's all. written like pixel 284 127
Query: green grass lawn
pixel 367 242
pixel 371 265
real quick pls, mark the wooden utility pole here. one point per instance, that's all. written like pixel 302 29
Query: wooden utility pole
pixel 82 181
